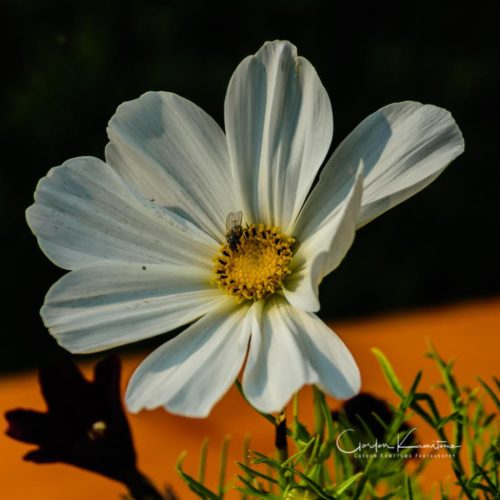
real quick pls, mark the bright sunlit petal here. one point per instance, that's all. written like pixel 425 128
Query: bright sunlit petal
pixel 85 213
pixel 175 153
pixel 291 348
pixel 114 303
pixel 324 245
pixel 191 372
pixel 404 147
pixel 279 127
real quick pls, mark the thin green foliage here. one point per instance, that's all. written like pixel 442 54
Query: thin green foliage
pixel 203 461
pixel 361 456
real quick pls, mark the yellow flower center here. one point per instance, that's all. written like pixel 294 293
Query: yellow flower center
pixel 253 265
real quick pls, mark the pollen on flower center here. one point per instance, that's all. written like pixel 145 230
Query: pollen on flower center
pixel 256 265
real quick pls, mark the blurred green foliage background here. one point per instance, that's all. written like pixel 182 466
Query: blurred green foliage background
pixel 69 64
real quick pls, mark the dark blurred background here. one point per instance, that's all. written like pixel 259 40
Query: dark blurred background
pixel 68 65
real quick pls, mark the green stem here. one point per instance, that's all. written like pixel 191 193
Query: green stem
pixel 319 418
pixel 280 439
pixel 295 416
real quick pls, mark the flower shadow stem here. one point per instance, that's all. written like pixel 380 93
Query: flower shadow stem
pixel 141 488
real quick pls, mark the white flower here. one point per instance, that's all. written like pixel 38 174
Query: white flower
pixel 145 239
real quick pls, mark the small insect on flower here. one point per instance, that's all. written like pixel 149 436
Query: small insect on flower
pixel 234 229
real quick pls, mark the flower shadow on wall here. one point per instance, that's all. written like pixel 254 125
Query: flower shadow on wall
pixel 84 424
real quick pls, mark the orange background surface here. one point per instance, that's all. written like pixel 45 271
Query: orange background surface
pixel 469 333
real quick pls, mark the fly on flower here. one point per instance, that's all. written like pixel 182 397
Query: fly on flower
pixel 249 294
pixel 234 229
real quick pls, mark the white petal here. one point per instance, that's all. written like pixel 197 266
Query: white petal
pixel 337 371
pixel 291 348
pixel 84 213
pixel 173 152
pixel 325 237
pixel 191 372
pixel 404 146
pixel 276 368
pixel 279 127
pixel 113 303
